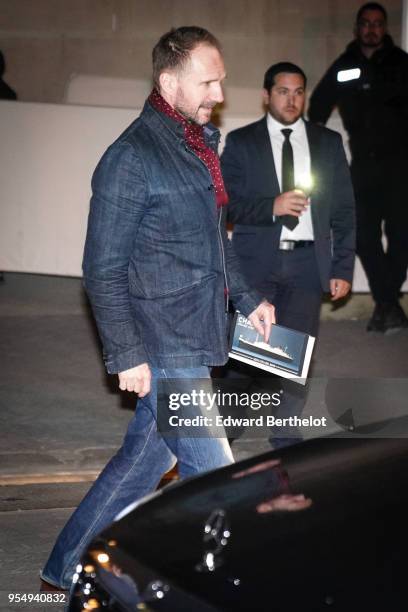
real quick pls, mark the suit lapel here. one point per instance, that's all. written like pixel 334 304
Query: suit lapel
pixel 314 148
pixel 264 150
pixel 316 164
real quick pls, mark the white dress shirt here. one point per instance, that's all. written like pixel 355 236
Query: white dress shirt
pixel 301 159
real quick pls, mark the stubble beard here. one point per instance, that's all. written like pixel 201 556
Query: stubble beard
pixel 191 115
pixel 371 42
pixel 187 114
pixel 282 119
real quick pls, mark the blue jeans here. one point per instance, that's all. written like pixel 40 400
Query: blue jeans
pixel 136 470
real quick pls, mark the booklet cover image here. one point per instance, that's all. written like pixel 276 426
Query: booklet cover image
pixel 287 353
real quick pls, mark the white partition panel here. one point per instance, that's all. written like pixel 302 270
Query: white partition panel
pixel 47 156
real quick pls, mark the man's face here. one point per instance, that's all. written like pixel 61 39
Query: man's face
pixel 371 29
pixel 286 99
pixel 199 85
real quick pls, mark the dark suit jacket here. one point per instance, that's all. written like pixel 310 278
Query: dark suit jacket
pixel 250 178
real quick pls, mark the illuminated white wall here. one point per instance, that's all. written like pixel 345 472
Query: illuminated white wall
pixel 47 156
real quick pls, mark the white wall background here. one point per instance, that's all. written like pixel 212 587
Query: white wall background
pixel 47 156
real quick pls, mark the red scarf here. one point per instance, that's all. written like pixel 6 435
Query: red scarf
pixel 194 137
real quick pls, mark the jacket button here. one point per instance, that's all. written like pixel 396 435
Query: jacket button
pixel 210 187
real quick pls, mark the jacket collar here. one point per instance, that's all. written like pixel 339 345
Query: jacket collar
pixel 354 49
pixel 264 142
pixel 265 149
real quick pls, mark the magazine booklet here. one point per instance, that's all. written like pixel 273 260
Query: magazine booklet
pixel 287 354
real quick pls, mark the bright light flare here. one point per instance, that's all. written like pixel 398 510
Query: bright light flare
pixel 348 75
pixel 305 183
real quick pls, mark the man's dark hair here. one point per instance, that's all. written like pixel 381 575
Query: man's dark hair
pixel 270 74
pixel 172 52
pixel 371 6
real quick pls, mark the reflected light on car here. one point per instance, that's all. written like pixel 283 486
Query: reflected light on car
pixel 209 561
pixel 103 558
pixel 260 467
pixel 91 604
pixel 288 503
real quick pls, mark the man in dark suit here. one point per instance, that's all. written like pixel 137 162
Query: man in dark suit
pixel 292 206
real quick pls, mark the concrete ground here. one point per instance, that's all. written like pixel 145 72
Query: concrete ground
pixel 62 416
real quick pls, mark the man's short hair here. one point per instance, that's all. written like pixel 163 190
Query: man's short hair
pixel 371 6
pixel 270 74
pixel 172 52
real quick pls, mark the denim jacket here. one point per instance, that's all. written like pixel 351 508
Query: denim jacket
pixel 157 259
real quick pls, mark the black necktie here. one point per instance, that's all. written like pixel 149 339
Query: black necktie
pixel 288 176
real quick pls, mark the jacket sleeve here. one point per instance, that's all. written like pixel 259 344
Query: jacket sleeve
pixel 117 206
pixel 244 298
pixel 243 208
pixel 324 97
pixel 343 225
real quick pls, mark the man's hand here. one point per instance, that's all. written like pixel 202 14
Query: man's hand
pixel 290 203
pixel 136 379
pixel 264 312
pixel 338 288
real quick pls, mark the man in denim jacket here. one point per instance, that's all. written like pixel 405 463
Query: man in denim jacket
pixel 159 270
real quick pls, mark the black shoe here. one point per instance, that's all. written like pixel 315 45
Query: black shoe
pixel 395 319
pixel 377 321
pixel 47 587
